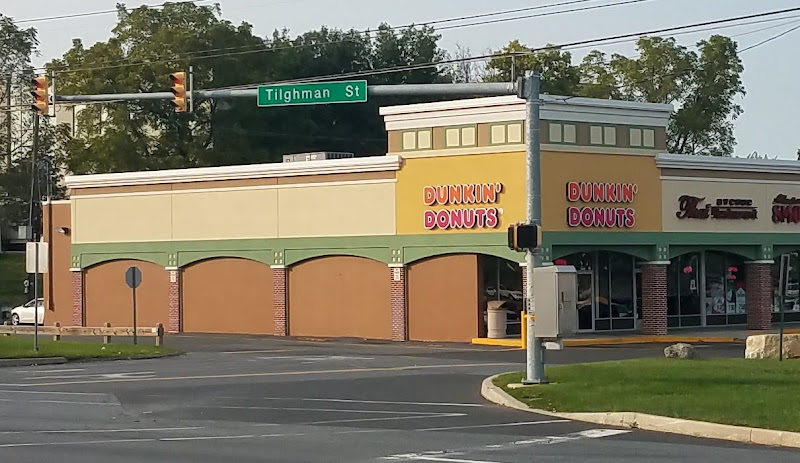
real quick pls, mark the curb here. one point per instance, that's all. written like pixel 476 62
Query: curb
pixel 27 362
pixel 657 423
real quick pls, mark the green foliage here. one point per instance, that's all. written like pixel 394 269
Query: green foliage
pixel 703 87
pixel 12 275
pixel 689 389
pixel 150 135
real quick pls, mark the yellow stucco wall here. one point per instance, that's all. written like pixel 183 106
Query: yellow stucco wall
pixel 282 211
pixel 507 169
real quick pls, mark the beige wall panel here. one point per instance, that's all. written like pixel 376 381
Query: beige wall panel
pixel 340 296
pixel 337 210
pixel 225 214
pixel 762 195
pixel 443 299
pixel 122 218
pixel 108 298
pixel 227 295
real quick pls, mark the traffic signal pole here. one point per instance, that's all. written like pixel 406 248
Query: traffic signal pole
pixel 533 258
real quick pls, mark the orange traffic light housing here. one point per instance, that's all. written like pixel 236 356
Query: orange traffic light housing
pixel 178 89
pixel 41 103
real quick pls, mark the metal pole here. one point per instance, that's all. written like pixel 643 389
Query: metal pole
pixel 34 234
pixel 784 276
pixel 8 121
pixel 191 89
pixel 134 309
pixel 535 347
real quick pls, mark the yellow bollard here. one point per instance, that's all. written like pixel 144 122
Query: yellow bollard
pixel 523 329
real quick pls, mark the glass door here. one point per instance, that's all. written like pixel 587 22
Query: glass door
pixel 585 301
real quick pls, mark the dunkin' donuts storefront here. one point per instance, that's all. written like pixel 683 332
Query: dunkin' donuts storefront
pixel 412 245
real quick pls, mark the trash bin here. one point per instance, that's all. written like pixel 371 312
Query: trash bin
pixel 496 319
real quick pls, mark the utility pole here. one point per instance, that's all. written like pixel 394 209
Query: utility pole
pixel 533 259
pixel 8 121
pixel 35 231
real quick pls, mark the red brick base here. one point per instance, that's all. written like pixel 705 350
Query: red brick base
pixel 758 287
pixel 654 299
pixel 174 325
pixel 77 298
pixel 397 284
pixel 279 283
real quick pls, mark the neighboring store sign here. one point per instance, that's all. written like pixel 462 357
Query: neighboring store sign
pixel 693 207
pixel 463 194
pixel 785 209
pixel 601 217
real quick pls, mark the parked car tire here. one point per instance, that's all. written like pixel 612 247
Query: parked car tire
pixel 14 319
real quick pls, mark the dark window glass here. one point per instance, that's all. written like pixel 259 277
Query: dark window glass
pixel 689 284
pixel 603 287
pixel 621 272
pixel 673 282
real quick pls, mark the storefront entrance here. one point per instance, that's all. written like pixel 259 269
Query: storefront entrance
pixel 608 289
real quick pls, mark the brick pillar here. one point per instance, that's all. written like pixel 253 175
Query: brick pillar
pixel 279 299
pixel 654 298
pixel 77 297
pixel 758 297
pixel 397 279
pixel 174 325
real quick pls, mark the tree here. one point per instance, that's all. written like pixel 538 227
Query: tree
pixel 559 76
pixel 703 86
pixel 148 44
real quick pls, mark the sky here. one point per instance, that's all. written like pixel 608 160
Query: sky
pixel 770 123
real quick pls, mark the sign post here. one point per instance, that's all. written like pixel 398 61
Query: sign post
pixel 349 91
pixel 133 277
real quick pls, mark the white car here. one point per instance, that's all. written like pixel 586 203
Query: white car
pixel 24 314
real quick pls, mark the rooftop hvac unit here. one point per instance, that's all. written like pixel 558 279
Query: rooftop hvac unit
pixel 317 156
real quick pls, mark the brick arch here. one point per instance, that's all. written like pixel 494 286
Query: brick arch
pixel 227 295
pixel 107 298
pixel 340 296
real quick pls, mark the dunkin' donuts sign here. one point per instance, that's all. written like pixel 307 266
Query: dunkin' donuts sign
pixel 479 201
pixel 618 195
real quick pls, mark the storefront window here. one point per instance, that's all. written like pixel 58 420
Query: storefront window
pixel 725 296
pixel 502 281
pixel 791 302
pixel 683 291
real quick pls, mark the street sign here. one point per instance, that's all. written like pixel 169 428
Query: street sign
pixel 350 91
pixel 30 257
pixel 133 277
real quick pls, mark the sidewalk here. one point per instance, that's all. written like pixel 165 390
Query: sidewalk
pixel 725 335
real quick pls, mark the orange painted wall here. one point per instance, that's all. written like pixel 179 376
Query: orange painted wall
pixel 108 299
pixel 58 281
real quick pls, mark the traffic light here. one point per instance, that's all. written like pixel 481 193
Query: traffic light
pixel 523 236
pixel 179 91
pixel 40 105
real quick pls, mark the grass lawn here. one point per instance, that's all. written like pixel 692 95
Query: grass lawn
pixel 12 347
pixel 756 393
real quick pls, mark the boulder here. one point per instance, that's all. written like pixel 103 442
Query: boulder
pixel 679 351
pixel 765 346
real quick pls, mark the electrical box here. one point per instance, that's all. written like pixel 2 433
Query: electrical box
pixel 555 295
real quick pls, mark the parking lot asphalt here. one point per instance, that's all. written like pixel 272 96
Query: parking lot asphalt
pixel 249 399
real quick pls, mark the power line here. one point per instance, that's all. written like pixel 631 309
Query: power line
pixel 98 13
pixel 569 45
pixel 267 48
pixel 788 31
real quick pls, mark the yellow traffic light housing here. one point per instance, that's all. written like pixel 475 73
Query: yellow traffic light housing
pixel 41 104
pixel 179 101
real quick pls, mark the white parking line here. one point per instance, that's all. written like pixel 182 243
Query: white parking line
pixel 69 402
pixel 63 370
pixel 273 351
pixel 387 402
pixel 170 439
pixel 453 460
pixel 339 410
pixel 498 425
pixel 389 418
pixel 102 431
pixel 52 393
